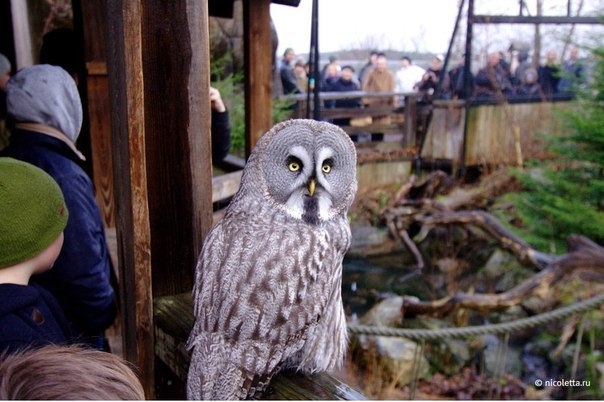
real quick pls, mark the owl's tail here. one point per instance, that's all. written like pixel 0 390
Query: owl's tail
pixel 212 374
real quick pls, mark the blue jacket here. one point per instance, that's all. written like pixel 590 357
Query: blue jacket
pixel 80 277
pixel 342 85
pixel 30 317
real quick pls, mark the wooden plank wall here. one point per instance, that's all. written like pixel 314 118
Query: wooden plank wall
pixel 509 134
pixel 444 137
pixel 497 134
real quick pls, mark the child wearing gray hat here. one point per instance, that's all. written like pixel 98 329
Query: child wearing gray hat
pixel 33 215
pixel 44 103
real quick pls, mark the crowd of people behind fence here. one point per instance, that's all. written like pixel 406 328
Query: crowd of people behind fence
pixel 510 76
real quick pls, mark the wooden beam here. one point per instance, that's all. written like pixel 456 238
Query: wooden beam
pixel 258 70
pixel 125 63
pixel 176 72
pixel 158 65
pixel 556 20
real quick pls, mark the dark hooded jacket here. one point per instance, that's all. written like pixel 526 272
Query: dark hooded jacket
pixel 80 278
pixel 30 317
pixel 44 103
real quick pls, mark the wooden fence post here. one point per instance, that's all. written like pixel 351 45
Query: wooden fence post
pixel 158 64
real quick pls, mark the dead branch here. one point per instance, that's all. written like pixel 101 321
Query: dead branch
pixel 586 256
pixel 490 225
pixel 440 201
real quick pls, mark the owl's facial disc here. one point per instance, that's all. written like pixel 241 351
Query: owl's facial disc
pixel 310 197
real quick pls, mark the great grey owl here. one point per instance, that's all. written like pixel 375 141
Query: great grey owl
pixel 267 291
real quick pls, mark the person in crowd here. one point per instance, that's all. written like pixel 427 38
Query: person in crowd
pixel 529 87
pixel 379 80
pixel 492 81
pixel 457 86
pixel 523 64
pixel 44 104
pixel 407 76
pixel 221 126
pixel 368 66
pixel 5 70
pixel 301 74
pixel 332 68
pixel 33 215
pixel 286 72
pixel 345 83
pixel 429 82
pixel 62 373
pixel 549 75
pixel 505 66
pixel 330 76
pixel 572 74
pixel 311 80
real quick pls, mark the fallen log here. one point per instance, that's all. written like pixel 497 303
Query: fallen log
pixel 436 202
pixel 583 256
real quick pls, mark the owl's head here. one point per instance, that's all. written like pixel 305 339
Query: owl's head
pixel 305 167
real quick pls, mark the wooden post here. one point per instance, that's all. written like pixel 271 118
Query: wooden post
pixel 130 179
pixel 258 75
pixel 176 71
pixel 410 121
pixel 158 65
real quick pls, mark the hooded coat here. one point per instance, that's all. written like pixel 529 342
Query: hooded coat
pixel 45 105
pixel 30 317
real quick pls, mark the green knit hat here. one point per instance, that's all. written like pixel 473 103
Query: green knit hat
pixel 32 211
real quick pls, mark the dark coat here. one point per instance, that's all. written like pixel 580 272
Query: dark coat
pixel 288 79
pixel 80 277
pixel 493 81
pixel 221 135
pixel 30 317
pixel 549 75
pixel 457 85
pixel 342 85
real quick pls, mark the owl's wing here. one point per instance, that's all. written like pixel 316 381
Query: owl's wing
pixel 258 289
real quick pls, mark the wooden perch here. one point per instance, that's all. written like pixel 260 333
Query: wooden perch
pixel 173 319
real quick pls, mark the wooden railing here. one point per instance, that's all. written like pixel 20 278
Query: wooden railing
pixel 174 319
pixel 404 120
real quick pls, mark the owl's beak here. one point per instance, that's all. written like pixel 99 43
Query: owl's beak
pixel 312 185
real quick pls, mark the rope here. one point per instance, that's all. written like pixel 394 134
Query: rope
pixel 500 328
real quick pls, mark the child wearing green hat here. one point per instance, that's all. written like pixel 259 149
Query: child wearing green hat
pixel 45 107
pixel 33 215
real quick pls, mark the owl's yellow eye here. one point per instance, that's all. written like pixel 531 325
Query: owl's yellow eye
pixel 326 168
pixel 293 166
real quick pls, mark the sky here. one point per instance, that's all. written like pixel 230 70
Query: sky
pixel 395 24
pixel 406 25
